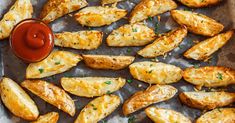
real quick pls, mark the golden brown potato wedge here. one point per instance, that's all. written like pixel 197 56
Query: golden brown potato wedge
pixel 107 62
pixel 197 23
pixel 91 86
pixel 131 35
pixel 98 109
pixel 210 76
pixel 22 9
pixel 219 115
pixel 150 8
pixel 85 40
pixel 17 100
pixel 160 115
pixel 104 2
pixel 54 9
pixel 56 62
pixel 51 117
pixel 204 49
pixel 154 94
pixel 155 73
pixel 199 3
pixel 51 94
pixel 96 16
pixel 164 44
pixel 207 100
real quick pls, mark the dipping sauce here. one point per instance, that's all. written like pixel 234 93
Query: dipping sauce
pixel 32 40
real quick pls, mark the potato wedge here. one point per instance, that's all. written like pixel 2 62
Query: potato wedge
pixel 98 109
pixel 54 9
pixel 204 49
pixel 107 62
pixel 96 16
pixel 51 94
pixel 197 23
pixel 207 100
pixel 104 2
pixel 155 73
pixel 150 8
pixel 210 76
pixel 56 62
pixel 160 115
pixel 84 40
pixel 131 35
pixel 17 100
pixel 164 44
pixel 51 117
pixel 92 86
pixel 153 94
pixel 219 115
pixel 22 9
pixel 199 3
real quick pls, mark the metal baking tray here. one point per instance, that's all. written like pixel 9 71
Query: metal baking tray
pixel 12 67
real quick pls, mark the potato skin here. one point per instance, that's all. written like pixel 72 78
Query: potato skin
pixel 153 94
pixel 131 35
pixel 107 62
pixel 92 86
pixel 165 115
pixel 98 109
pixel 199 3
pixel 204 49
pixel 84 40
pixel 155 73
pixel 96 16
pixel 54 9
pixel 51 117
pixel 164 44
pixel 51 94
pixel 210 76
pixel 17 100
pixel 207 100
pixel 197 23
pixel 219 115
pixel 56 62
pixel 150 8
pixel 22 9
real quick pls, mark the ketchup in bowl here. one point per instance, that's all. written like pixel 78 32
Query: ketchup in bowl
pixel 31 40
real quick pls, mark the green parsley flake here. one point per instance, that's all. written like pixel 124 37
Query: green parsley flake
pixel 40 70
pixel 131 119
pixel 128 50
pixel 150 18
pixel 57 63
pixel 134 30
pixel 196 66
pixel 129 81
pixel 156 27
pixel 108 92
pixel 108 82
pixel 220 76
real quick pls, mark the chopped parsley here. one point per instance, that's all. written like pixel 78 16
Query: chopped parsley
pixel 108 82
pixel 129 81
pixel 156 27
pixel 220 76
pixel 108 92
pixel 181 47
pixel 196 66
pixel 128 50
pixel 40 70
pixel 94 108
pixel 1 31
pixel 134 30
pixel 150 18
pixel 150 71
pixel 103 121
pixel 57 63
pixel 131 119
pixel 219 109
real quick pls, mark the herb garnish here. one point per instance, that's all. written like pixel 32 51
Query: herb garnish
pixel 134 30
pixel 108 82
pixel 131 119
pixel 40 70
pixel 128 50
pixel 150 18
pixel 220 76
pixel 108 92
pixel 129 81
pixel 156 27
pixel 57 63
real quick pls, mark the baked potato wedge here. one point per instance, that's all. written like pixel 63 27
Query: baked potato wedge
pixel 98 109
pixel 160 115
pixel 210 76
pixel 56 62
pixel 153 94
pixel 164 44
pixel 204 49
pixel 22 9
pixel 219 115
pixel 96 16
pixel 51 117
pixel 131 35
pixel 104 2
pixel 155 73
pixel 51 94
pixel 207 100
pixel 150 8
pixel 92 86
pixel 107 62
pixel 17 100
pixel 54 9
pixel 197 23
pixel 84 40
pixel 199 3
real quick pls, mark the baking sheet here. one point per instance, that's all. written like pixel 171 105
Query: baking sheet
pixel 14 68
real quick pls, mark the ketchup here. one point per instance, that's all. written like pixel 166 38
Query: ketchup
pixel 31 40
